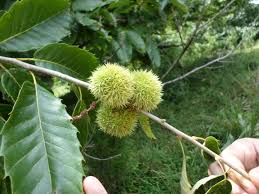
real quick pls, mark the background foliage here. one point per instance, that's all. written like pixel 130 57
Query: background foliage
pixel 221 100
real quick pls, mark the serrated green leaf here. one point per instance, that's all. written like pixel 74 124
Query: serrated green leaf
pixel 66 59
pixel 12 81
pixel 137 41
pixel 123 48
pixel 179 4
pixel 153 52
pixel 40 146
pixel 121 6
pixel 145 125
pixel 213 144
pixel 184 182
pixel 89 5
pixel 86 5
pixel 223 186
pixel 34 24
pixel 110 17
pixel 87 21
pixel 203 185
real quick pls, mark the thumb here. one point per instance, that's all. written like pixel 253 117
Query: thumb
pixel 93 186
pixel 254 175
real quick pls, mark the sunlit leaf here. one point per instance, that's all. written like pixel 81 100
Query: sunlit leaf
pixel 184 182
pixel 145 125
pixel 60 88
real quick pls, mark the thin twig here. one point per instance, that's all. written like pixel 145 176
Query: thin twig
pixel 222 11
pixel 178 30
pixel 193 141
pixel 219 59
pixel 198 28
pixel 44 71
pixel 85 111
pixel 198 68
pixel 186 46
pixel 101 159
pixel 112 55
pixel 151 116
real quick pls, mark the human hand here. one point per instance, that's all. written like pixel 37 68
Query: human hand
pixel 244 154
pixel 92 185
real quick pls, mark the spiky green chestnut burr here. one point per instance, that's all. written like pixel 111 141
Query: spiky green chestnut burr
pixel 112 84
pixel 116 122
pixel 147 90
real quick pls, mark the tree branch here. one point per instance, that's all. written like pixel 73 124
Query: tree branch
pixel 198 68
pixel 85 111
pixel 44 71
pixel 186 46
pixel 101 159
pixel 178 30
pixel 195 142
pixel 168 45
pixel 216 15
pixel 198 28
pixel 151 116
pixel 219 59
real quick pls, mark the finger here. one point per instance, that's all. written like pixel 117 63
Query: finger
pixel 254 175
pixel 214 168
pixel 246 185
pixel 92 185
pixel 236 189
